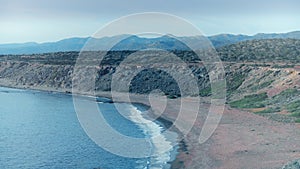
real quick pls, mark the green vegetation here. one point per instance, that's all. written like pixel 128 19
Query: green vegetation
pixel 296 114
pixel 262 85
pixel 263 51
pixel 265 84
pixel 269 110
pixel 205 92
pixel 285 96
pixel 250 101
pixel 216 90
pixel 297 120
pixel 287 93
pixel 171 97
pixel 235 82
pixel 294 106
pixel 235 79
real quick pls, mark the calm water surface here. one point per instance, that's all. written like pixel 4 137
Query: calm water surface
pixel 41 130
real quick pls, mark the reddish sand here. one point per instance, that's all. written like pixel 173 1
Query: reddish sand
pixel 242 140
pixel 245 140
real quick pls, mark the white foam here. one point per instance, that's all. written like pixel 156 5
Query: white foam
pixel 162 148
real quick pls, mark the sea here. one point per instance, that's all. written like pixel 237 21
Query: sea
pixel 40 129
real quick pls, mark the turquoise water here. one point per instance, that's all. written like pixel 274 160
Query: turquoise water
pixel 41 130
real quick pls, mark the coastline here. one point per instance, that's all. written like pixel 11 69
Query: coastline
pixel 241 140
pixel 181 146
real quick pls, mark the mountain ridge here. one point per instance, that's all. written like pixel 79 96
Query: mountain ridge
pixel 77 43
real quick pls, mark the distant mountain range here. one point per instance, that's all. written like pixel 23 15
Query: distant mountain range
pixel 132 42
pixel 227 39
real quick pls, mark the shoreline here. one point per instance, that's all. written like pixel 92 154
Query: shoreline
pixel 181 146
pixel 241 140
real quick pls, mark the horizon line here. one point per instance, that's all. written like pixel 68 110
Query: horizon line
pixel 82 37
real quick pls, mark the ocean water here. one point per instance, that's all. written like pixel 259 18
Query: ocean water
pixel 41 130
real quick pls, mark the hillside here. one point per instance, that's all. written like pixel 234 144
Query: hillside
pixel 262 75
pixel 256 51
pixel 227 39
pixel 268 50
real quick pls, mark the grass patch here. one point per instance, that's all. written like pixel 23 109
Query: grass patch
pixel 285 96
pixel 297 120
pixel 287 93
pixel 296 114
pixel 294 106
pixel 269 110
pixel 217 90
pixel 250 101
pixel 205 92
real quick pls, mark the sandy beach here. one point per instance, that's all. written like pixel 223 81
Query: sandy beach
pixel 242 140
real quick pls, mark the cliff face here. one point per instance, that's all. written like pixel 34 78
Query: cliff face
pixel 39 75
pixel 56 70
pixel 36 74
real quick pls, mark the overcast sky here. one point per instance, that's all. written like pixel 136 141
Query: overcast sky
pixel 52 20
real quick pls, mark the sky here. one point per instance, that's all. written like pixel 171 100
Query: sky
pixel 46 21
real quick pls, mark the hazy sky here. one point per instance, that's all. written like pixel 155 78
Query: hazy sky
pixel 52 20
